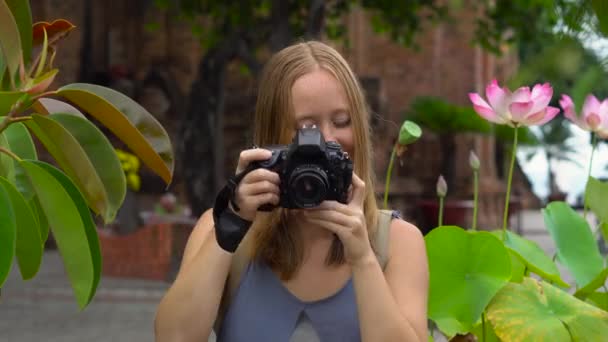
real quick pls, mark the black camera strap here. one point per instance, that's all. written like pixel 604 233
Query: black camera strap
pixel 230 228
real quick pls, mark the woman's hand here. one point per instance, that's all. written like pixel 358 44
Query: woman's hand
pixel 348 222
pixel 258 187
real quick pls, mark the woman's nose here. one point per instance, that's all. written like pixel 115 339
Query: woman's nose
pixel 328 133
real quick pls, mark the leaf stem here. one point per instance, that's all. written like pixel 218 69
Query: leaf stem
pixel 388 176
pixel 10 154
pixel 475 198
pixel 440 219
pixel 593 146
pixel 483 326
pixel 509 179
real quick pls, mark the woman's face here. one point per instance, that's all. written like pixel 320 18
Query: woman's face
pixel 319 99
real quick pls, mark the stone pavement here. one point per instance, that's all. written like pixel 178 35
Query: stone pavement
pixel 44 309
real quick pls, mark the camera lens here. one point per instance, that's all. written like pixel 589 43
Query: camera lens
pixel 308 186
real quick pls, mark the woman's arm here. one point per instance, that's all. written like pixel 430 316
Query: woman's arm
pixel 393 306
pixel 188 310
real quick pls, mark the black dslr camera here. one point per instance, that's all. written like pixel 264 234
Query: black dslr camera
pixel 311 170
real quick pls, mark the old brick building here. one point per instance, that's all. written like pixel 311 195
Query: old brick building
pixel 157 62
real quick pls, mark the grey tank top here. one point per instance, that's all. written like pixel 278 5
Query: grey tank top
pixel 264 310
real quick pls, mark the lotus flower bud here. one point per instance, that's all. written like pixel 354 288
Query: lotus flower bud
pixel 442 187
pixel 473 161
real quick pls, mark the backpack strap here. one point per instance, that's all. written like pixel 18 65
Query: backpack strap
pixel 381 236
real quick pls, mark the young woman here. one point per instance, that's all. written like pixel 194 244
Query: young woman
pixel 312 274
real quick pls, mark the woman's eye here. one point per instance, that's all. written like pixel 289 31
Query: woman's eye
pixel 342 122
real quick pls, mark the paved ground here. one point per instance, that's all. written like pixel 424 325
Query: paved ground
pixel 44 309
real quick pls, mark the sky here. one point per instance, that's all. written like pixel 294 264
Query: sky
pixel 570 177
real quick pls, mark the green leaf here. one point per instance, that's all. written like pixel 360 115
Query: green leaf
pixel 20 143
pixel 466 270
pixel 68 228
pixel 518 268
pixel 75 161
pixel 600 7
pixel 7 100
pixel 29 247
pixel 576 246
pixel 599 299
pixel 597 198
pixel 533 257
pixel 51 106
pixel 8 235
pixel 593 285
pixel 43 223
pixel 23 17
pixel 485 332
pixel 7 167
pixel 102 155
pixel 537 311
pixel 129 121
pixel 10 42
pixel 85 214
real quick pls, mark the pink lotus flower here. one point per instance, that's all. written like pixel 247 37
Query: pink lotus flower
pixel 594 117
pixel 523 107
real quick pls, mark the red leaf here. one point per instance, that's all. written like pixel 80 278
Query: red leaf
pixel 55 31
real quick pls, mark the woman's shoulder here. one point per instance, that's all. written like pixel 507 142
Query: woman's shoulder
pixel 404 233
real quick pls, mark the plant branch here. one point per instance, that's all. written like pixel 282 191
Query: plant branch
pixel 10 154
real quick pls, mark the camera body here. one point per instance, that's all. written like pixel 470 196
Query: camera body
pixel 311 170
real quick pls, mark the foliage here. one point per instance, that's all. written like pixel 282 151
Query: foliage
pixel 499 285
pixel 36 197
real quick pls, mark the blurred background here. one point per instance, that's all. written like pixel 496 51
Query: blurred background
pixel 194 64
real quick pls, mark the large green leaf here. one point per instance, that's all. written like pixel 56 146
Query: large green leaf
pixel 10 42
pixel 599 299
pixel 533 257
pixel 7 166
pixel 593 285
pixel 466 270
pixel 538 311
pixel 29 246
pixel 20 143
pixel 50 106
pixel 40 217
pixel 102 155
pixel 129 121
pixel 23 18
pixel 68 229
pixel 8 235
pixel 7 100
pixel 576 247
pixel 75 161
pixel 600 7
pixel 85 214
pixel 597 198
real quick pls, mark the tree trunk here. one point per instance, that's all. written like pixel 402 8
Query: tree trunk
pixel 201 141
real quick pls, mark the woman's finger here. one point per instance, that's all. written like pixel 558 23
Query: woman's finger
pixel 332 216
pixel 358 191
pixel 250 189
pixel 337 229
pixel 247 156
pixel 262 175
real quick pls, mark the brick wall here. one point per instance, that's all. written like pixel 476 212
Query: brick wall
pixel 444 64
